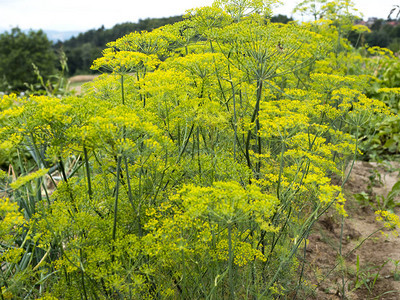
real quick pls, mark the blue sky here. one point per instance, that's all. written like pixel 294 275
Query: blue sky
pixel 82 15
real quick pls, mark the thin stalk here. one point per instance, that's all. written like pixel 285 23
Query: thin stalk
pixel 128 180
pixel 65 178
pixel 89 182
pixel 39 183
pixel 302 268
pixel 259 148
pixel 342 221
pixel 183 280
pixel 230 263
pixel 278 193
pixel 354 159
pixel 114 232
pixel 234 113
pixel 144 96
pixel 137 80
pixel 179 133
pixel 42 161
pixel 76 169
pixel 203 135
pixel 60 163
pixel 46 192
pixel 83 278
pixel 253 118
pixel 42 260
pixel 218 76
pixel 215 270
pixel 276 239
pixel 340 255
pixel 22 201
pixel 140 200
pixel 358 40
pixel 305 229
pixel 185 144
pixel 122 90
pixel 198 150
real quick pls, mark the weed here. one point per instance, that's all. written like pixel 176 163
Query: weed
pixel 396 272
pixel 366 276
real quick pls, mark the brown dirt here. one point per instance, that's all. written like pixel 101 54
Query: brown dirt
pixel 82 78
pixel 376 253
pixel 77 81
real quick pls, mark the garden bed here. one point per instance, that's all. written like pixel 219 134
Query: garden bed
pixel 376 277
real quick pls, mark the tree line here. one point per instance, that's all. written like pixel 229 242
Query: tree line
pixel 86 47
pixel 19 51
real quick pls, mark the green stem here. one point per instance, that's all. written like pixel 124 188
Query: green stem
pixel 282 163
pixel 65 178
pixel 198 150
pixel 353 161
pixel 340 253
pixel 128 180
pixel 60 162
pixel 185 145
pixel 305 229
pixel 253 118
pixel 83 277
pixel 114 232
pixel 41 159
pixel 90 192
pixel 230 263
pixel 302 268
pixel 122 90
pixel 234 113
pixel 277 237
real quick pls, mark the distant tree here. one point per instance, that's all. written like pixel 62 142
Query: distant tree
pixel 281 19
pixel 376 26
pixel 396 32
pixel 377 38
pixel 18 51
pixel 86 47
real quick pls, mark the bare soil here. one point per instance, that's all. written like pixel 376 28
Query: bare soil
pixel 82 78
pixel 77 81
pixel 377 250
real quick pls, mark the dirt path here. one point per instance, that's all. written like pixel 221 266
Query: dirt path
pixel 377 254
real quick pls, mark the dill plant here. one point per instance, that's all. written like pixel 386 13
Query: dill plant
pixel 201 162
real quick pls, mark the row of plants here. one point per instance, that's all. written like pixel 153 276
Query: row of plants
pixel 194 168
